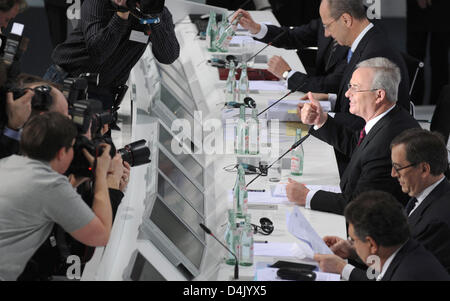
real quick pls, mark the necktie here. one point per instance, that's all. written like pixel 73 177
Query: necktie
pixel 362 135
pixel 349 55
pixel 410 206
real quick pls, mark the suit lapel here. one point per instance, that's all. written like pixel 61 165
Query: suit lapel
pixel 397 260
pixel 416 216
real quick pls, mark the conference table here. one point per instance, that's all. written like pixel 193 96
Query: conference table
pixel 320 167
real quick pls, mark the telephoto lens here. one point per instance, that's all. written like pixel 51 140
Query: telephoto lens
pixel 136 153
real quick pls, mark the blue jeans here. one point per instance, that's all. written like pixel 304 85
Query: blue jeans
pixel 56 75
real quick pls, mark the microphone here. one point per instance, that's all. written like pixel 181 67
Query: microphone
pixel 268 44
pixel 295 145
pixel 248 102
pixel 236 265
pixel 292 91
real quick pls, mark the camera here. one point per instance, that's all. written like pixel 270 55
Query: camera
pixel 146 7
pixel 76 88
pixel 42 99
pixel 135 153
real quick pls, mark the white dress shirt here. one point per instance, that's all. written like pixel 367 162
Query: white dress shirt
pixel 423 195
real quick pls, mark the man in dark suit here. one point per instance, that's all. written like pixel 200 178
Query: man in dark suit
pixel 373 93
pixel 419 160
pixel 380 235
pixel 330 60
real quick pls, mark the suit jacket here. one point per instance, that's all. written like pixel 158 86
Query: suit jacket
pixel 329 68
pixel 430 223
pixel 373 44
pixel 412 263
pixel 370 165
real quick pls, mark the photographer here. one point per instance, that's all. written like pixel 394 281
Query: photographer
pixel 39 97
pixel 110 42
pixel 9 9
pixel 35 195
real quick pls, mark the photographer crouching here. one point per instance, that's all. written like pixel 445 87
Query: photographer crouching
pixel 35 194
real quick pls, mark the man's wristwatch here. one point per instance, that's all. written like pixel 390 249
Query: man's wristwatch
pixel 286 73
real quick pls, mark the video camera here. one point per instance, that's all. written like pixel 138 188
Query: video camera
pixel 145 10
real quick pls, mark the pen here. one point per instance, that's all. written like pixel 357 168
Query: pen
pixel 261 242
pixel 256 190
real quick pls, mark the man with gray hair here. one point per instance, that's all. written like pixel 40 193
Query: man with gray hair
pixel 373 92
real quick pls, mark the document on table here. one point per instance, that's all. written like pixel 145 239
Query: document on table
pixel 299 227
pixel 299 250
pixel 270 274
pixel 261 198
pixel 280 189
pixel 267 85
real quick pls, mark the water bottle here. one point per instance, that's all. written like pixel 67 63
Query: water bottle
pixel 230 86
pixel 297 156
pixel 241 134
pixel 240 194
pixel 243 84
pixel 246 245
pixel 211 32
pixel 223 41
pixel 229 236
pixel 253 133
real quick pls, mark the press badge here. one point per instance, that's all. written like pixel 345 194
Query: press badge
pixel 138 36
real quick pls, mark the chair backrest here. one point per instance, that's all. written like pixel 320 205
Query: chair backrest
pixel 440 121
pixel 414 66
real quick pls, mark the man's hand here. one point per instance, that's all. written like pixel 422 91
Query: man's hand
pixel 312 113
pixel 330 263
pixel 341 247
pixel 277 66
pixel 246 21
pixel 125 177
pixel 19 110
pixel 123 3
pixel 296 192
pixel 115 172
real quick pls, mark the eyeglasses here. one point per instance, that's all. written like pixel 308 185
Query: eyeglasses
pixel 329 24
pixel 354 89
pixel 398 169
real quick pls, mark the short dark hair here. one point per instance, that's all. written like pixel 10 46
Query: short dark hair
pixel 354 8
pixel 44 135
pixel 6 5
pixel 379 215
pixel 424 146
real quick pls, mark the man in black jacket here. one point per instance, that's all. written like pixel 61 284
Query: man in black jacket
pixel 330 60
pixel 373 92
pixel 418 161
pixel 110 42
pixel 380 235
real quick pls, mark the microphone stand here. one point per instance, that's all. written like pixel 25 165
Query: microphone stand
pixel 268 44
pixel 275 103
pixel 236 265
pixel 295 145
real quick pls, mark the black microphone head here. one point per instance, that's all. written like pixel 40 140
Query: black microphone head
pixel 231 57
pixel 204 228
pixel 250 102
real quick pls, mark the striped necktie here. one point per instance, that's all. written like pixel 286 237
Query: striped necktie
pixel 410 206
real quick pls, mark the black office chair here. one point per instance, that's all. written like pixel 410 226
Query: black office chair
pixel 440 121
pixel 414 67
